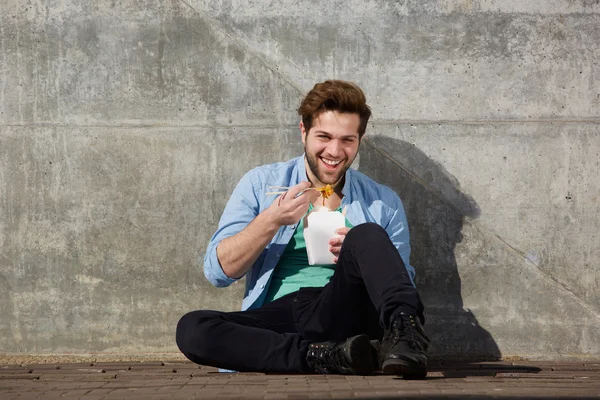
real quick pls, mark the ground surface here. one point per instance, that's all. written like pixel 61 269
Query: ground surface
pixel 182 380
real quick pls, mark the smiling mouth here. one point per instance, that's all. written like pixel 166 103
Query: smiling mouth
pixel 331 163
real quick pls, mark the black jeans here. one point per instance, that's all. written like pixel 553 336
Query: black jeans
pixel 369 284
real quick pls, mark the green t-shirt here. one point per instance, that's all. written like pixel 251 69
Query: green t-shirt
pixel 293 272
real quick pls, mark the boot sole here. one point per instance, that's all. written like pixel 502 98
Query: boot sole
pixel 398 367
pixel 361 355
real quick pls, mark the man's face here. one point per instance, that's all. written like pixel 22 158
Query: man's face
pixel 331 145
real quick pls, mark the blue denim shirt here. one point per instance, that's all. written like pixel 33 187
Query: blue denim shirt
pixel 365 199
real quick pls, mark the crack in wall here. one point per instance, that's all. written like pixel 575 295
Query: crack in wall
pixel 243 46
pixel 486 231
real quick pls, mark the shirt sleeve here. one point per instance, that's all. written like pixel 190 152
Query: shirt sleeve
pixel 242 207
pixel 397 229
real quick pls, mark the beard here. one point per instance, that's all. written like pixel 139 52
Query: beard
pixel 313 165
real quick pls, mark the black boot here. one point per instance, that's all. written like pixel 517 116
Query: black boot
pixel 355 356
pixel 403 347
pixel 376 353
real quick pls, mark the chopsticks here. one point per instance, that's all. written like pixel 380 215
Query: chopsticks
pixel 282 191
pixel 274 192
pixel 325 191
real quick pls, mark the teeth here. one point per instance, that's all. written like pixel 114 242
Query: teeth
pixel 331 162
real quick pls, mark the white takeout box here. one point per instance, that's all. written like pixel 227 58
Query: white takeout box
pixel 321 227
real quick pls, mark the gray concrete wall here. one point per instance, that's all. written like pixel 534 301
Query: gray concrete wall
pixel 124 126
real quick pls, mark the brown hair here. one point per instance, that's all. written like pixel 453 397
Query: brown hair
pixel 335 95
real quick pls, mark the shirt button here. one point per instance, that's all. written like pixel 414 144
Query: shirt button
pixel 262 286
pixel 278 255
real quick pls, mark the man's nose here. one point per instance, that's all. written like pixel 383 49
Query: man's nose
pixel 334 148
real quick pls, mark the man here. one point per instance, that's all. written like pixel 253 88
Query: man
pixel 313 318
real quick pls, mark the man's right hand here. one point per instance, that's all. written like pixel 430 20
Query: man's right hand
pixel 287 209
pixel 237 253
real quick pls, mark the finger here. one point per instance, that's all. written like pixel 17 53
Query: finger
pixel 307 196
pixel 295 208
pixel 304 199
pixel 298 213
pixel 294 190
pixel 335 249
pixel 342 231
pixel 336 241
pixel 335 260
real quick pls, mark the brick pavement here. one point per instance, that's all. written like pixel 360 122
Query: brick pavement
pixel 183 380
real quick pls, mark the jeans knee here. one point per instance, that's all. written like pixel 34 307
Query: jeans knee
pixel 191 334
pixel 365 233
pixel 182 331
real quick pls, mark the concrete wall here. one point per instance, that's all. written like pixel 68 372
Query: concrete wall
pixel 124 126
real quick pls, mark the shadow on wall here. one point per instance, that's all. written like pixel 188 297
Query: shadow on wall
pixel 435 209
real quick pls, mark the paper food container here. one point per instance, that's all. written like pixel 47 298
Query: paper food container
pixel 319 228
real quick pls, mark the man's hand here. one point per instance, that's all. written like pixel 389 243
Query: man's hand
pixel 335 244
pixel 237 253
pixel 288 209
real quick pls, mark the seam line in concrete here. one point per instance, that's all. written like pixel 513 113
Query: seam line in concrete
pixel 485 121
pixel 216 24
pixel 483 228
pixel 143 125
pixel 545 274
pixel 372 123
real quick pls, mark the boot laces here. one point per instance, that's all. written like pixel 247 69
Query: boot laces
pixel 325 357
pixel 405 329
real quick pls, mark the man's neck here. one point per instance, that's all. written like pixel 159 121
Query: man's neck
pixel 337 186
pixel 333 201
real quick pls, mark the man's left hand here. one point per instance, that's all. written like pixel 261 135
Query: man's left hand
pixel 335 244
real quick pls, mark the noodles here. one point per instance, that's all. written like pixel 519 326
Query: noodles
pixel 326 191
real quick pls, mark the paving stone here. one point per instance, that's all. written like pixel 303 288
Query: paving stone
pixel 157 380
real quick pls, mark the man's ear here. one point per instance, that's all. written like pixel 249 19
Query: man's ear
pixel 303 131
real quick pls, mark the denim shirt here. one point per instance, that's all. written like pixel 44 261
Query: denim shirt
pixel 365 201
